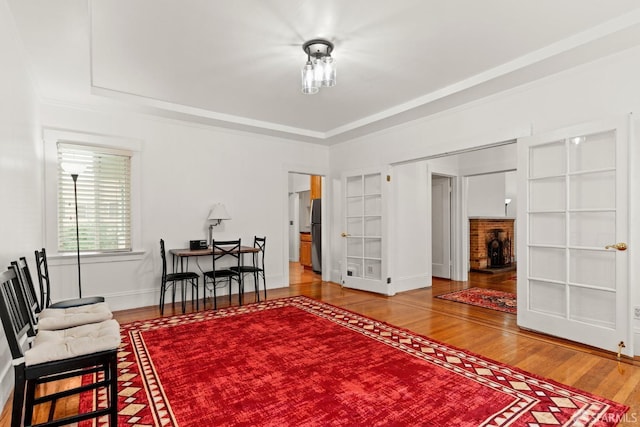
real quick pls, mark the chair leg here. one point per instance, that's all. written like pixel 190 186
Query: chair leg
pixel 18 396
pixel 197 287
pixel 113 388
pixel 204 292
pixel 173 296
pixel 28 405
pixel 215 299
pixel 163 291
pixel 182 293
pixel 264 283
pixel 256 285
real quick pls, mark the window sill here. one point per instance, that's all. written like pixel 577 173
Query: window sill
pixel 94 257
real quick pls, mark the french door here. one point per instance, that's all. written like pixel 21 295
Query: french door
pixel 364 264
pixel 573 228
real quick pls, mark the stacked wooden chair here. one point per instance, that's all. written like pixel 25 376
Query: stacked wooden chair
pixel 56 318
pixel 52 344
pixel 45 287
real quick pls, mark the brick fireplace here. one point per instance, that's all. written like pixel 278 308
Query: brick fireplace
pixel 491 243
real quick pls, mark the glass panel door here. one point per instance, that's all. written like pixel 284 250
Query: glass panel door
pixel 571 283
pixel 364 264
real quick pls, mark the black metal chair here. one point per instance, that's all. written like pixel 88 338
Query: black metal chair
pixel 257 267
pixel 55 318
pixel 56 355
pixel 45 287
pixel 217 275
pixel 170 280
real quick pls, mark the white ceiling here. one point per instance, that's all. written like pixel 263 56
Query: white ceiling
pixel 237 63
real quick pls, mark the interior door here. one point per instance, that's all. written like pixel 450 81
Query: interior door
pixel 364 264
pixel 441 226
pixel 572 267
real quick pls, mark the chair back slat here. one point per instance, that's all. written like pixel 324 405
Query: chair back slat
pixel 27 284
pixel 259 243
pixel 223 248
pixel 164 261
pixel 43 278
pixel 14 320
pixel 26 298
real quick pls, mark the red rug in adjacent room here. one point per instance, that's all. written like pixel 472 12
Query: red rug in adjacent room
pixel 487 298
pixel 296 361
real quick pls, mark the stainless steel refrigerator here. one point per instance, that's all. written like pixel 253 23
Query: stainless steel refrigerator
pixel 316 235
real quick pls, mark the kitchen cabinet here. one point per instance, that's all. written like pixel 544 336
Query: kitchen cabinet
pixel 305 250
pixel 316 187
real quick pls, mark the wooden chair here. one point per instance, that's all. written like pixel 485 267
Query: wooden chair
pixel 257 267
pixel 55 318
pixel 56 355
pixel 170 280
pixel 45 287
pixel 218 275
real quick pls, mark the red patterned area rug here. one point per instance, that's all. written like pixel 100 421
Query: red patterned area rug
pixel 296 361
pixel 487 298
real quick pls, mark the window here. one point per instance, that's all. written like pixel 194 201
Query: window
pixel 103 198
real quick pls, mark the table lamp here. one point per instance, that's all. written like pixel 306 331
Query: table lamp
pixel 216 215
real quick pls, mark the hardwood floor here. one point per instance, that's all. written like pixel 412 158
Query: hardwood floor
pixel 490 333
pixel 298 274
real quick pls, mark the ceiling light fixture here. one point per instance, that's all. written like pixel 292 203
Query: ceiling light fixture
pixel 320 69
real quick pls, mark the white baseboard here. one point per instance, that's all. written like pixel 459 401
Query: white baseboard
pixel 150 297
pixel 409 283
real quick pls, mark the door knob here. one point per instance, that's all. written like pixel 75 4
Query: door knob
pixel 619 246
pixel 343 234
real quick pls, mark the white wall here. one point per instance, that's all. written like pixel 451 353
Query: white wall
pixel 411 227
pixel 304 211
pixel 299 182
pixel 605 88
pixel 511 192
pixel 185 169
pixel 485 195
pixel 20 173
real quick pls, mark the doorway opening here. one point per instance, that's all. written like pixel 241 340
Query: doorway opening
pixel 491 207
pixel 305 228
pixel 484 207
pixel 483 185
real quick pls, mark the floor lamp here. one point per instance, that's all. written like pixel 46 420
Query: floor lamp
pixel 74 170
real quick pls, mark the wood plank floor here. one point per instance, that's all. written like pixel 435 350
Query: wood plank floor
pixel 490 333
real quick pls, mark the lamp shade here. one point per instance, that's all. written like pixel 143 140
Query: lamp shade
pixel 218 213
pixel 73 168
pixel 329 72
pixel 309 85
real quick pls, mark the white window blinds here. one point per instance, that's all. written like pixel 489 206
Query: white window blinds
pixel 104 199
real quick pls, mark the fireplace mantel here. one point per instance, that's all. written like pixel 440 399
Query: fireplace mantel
pixel 508 218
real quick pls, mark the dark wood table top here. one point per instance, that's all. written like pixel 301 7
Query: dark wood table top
pixel 186 252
